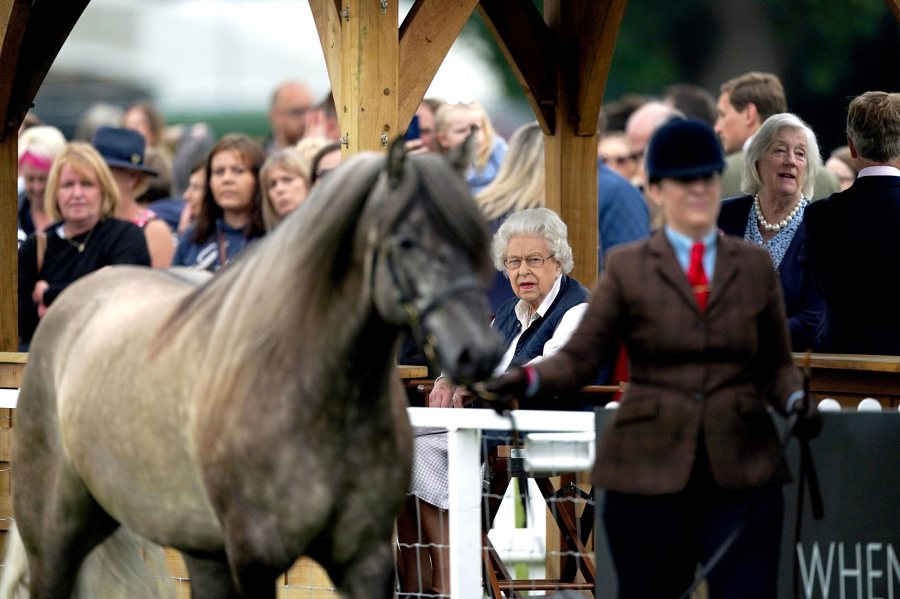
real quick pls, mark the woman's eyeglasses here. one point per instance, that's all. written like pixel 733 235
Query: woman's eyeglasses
pixel 531 261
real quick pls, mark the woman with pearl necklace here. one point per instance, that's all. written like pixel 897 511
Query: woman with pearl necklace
pixel 778 176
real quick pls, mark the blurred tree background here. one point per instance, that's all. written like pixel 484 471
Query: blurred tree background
pixel 825 51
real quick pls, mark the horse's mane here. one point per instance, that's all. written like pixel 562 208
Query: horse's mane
pixel 309 257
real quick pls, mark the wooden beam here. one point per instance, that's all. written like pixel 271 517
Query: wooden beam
pixel 9 262
pixel 369 94
pixel 426 35
pixel 531 51
pixel 49 24
pixel 326 14
pixel 13 24
pixel 570 159
pixel 597 33
pixel 894 5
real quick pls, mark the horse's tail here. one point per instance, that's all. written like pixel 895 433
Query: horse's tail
pixel 124 565
pixel 14 579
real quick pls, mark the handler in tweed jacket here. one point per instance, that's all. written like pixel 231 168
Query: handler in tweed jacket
pixel 692 443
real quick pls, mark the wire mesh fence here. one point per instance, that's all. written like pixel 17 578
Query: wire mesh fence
pixel 508 530
pixel 520 515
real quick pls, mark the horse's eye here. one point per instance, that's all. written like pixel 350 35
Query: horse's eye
pixel 406 244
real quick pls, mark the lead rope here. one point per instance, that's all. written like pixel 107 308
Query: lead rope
pixel 806 474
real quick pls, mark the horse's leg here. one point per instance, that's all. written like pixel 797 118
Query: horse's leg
pixel 210 577
pixel 369 576
pixel 72 525
pixel 255 578
pixel 253 543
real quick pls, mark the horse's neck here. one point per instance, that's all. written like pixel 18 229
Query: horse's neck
pixel 367 339
pixel 372 353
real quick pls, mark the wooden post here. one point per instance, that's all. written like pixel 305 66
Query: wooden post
pixel 9 265
pixel 13 16
pixel 427 32
pixel 894 6
pixel 379 75
pixel 326 14
pixel 32 33
pixel 585 34
pixel 570 159
pixel 369 93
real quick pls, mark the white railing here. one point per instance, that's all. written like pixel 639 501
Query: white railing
pixel 464 452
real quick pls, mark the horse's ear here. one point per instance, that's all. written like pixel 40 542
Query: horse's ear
pixel 396 156
pixel 460 157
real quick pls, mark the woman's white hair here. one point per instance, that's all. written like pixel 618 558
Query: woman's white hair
pixel 750 179
pixel 542 222
pixel 43 141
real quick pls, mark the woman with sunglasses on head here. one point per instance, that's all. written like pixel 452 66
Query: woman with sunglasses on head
pixel 614 151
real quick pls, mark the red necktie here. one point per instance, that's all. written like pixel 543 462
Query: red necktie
pixel 697 276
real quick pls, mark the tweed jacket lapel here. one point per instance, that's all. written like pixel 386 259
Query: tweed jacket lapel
pixel 669 270
pixel 726 269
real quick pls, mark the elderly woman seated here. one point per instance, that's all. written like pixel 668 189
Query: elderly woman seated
pixel 532 249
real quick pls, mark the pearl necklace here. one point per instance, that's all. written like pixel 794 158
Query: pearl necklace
pixel 777 226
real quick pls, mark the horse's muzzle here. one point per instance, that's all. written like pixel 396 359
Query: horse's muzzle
pixel 474 361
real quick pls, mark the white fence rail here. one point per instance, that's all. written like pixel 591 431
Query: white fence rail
pixel 464 451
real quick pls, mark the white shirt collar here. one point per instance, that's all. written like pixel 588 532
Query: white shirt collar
pixel 879 171
pixel 523 310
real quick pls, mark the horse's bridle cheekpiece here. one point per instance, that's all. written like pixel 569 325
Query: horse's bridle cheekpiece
pixel 385 251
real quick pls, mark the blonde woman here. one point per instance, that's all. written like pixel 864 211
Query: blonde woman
pixel 284 178
pixel 82 237
pixel 38 147
pixel 519 185
pixel 454 122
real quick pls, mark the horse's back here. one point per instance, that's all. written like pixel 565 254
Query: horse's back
pixel 122 414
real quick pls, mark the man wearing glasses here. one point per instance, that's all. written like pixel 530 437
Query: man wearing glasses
pixel 290 102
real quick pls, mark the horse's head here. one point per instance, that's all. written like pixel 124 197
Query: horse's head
pixel 430 263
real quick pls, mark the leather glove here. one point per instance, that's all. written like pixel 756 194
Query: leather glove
pixel 809 420
pixel 504 392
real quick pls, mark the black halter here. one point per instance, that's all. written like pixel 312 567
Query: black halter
pixel 415 317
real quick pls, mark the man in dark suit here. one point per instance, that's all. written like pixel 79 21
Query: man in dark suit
pixel 854 236
pixel 692 444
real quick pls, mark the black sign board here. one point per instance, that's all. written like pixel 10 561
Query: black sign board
pixel 854 552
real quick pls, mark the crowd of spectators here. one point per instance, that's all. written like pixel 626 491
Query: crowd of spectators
pixel 169 186
pixel 146 193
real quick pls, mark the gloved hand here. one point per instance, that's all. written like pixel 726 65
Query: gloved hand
pixel 809 420
pixel 504 392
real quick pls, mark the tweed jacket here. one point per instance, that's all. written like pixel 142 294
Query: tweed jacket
pixel 711 372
